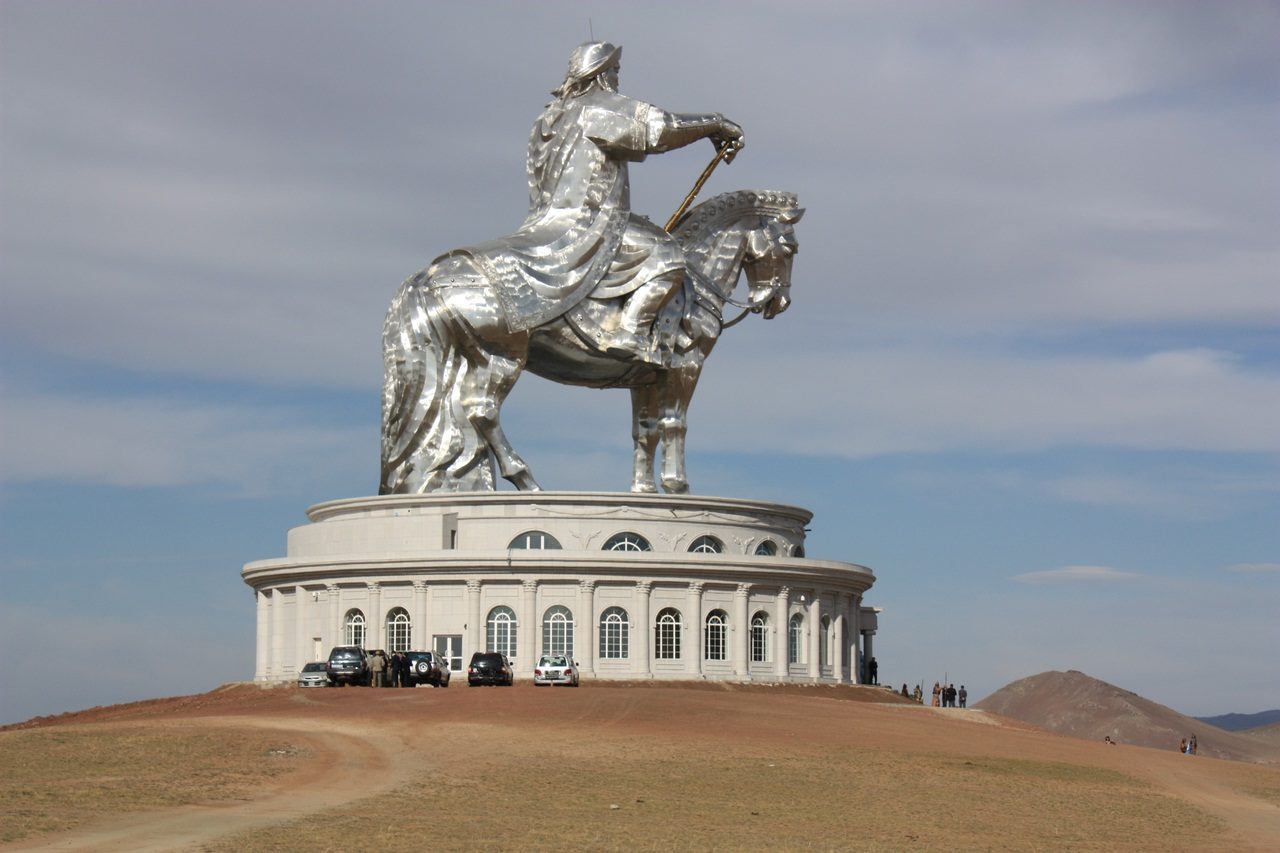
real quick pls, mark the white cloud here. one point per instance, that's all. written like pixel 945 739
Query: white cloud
pixel 129 440
pixel 1254 568
pixel 1076 575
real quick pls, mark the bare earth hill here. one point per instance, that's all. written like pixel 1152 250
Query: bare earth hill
pixel 1265 734
pixel 618 766
pixel 1072 703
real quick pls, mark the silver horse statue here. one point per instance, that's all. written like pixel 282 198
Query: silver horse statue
pixel 452 357
pixel 584 292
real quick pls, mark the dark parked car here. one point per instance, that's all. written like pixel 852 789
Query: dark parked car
pixel 348 665
pixel 426 668
pixel 489 668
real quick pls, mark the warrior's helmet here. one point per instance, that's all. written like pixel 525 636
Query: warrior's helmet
pixel 589 59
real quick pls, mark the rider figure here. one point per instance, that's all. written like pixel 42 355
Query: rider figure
pixel 580 238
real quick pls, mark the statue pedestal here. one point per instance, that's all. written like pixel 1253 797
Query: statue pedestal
pixel 634 586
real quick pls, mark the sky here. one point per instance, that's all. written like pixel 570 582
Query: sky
pixel 1030 375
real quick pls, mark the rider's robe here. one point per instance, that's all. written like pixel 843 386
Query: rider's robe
pixel 580 235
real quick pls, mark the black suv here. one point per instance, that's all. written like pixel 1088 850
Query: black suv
pixel 347 665
pixel 489 668
pixel 426 668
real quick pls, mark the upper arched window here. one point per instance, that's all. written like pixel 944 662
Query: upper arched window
pixel 535 540
pixel 767 548
pixel 667 627
pixel 715 636
pixel 798 552
pixel 615 631
pixel 627 542
pixel 706 545
pixel 500 631
pixel 760 637
pixel 398 630
pixel 557 631
pixel 353 628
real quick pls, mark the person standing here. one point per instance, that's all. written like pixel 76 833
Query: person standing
pixel 963 695
pixel 378 668
pixel 873 671
pixel 937 695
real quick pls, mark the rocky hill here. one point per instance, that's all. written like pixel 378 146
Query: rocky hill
pixel 1072 703
pixel 1240 722
pixel 1266 734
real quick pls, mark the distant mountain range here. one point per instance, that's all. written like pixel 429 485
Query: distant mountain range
pixel 1240 722
pixel 1072 703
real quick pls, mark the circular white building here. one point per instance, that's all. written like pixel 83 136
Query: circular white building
pixel 632 586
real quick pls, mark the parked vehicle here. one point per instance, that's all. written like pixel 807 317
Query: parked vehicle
pixel 348 665
pixel 555 669
pixel 314 675
pixel 489 668
pixel 426 668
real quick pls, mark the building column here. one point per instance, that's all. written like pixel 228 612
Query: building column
pixel 301 608
pixel 584 628
pixel 420 632
pixel 264 638
pixel 373 622
pixel 641 631
pixel 781 632
pixel 692 644
pixel 815 635
pixel 475 627
pixel 837 640
pixel 336 635
pixel 740 632
pixel 855 640
pixel 527 628
pixel 276 618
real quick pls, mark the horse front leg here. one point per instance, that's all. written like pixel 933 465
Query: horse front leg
pixel 673 425
pixel 644 436
pixel 488 381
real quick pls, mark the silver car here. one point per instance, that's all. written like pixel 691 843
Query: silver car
pixel 313 675
pixel 555 669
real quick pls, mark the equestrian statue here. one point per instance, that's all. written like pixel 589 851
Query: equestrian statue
pixel 585 292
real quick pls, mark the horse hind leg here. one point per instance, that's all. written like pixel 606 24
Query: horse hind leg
pixel 486 387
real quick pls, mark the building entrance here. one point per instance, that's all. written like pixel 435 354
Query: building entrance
pixel 449 647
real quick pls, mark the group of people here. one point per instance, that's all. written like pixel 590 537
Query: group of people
pixel 947 696
pixel 1188 746
pixel 388 671
pixel 943 697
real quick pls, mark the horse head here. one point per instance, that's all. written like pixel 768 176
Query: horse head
pixel 767 259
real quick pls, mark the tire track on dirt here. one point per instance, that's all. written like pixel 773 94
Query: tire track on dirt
pixel 349 762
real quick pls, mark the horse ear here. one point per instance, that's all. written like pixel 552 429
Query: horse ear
pixel 792 216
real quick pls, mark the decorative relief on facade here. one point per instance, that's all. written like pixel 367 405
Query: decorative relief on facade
pixel 584 540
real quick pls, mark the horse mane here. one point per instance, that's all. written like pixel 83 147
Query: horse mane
pixel 713 214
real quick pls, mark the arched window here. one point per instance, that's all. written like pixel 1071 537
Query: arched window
pixel 767 548
pixel 500 631
pixel 795 640
pixel 798 552
pixel 615 631
pixel 535 540
pixel 398 625
pixel 557 631
pixel 353 629
pixel 667 634
pixel 760 637
pixel 715 637
pixel 627 542
pixel 824 653
pixel 706 545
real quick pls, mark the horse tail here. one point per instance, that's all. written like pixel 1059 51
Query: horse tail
pixel 428 442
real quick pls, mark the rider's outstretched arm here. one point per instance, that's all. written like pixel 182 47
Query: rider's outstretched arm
pixel 675 130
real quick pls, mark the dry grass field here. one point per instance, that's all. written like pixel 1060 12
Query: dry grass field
pixel 609 767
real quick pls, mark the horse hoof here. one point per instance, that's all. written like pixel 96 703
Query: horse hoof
pixel 644 488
